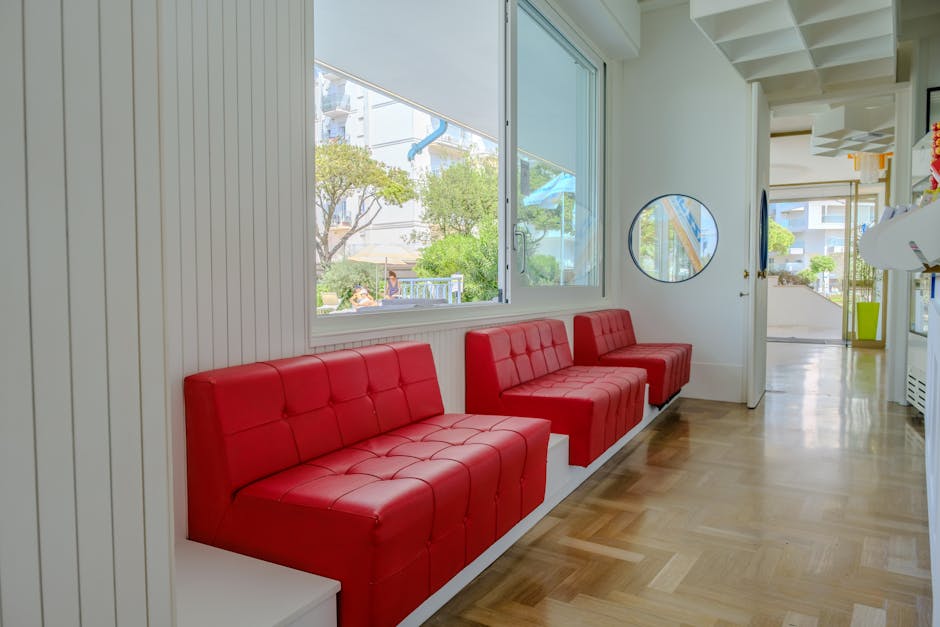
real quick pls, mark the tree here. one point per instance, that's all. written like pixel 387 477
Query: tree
pixel 349 173
pixel 779 239
pixel 821 263
pixel 808 276
pixel 543 270
pixel 536 219
pixel 457 199
pixel 342 276
pixel 475 256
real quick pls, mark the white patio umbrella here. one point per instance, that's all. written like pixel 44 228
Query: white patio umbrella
pixel 388 254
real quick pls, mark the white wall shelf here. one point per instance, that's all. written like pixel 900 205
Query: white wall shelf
pixel 888 245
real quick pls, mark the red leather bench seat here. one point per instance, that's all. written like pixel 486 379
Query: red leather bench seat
pixel 607 338
pixel 526 369
pixel 344 464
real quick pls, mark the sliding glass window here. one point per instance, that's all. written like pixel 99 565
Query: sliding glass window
pixel 558 93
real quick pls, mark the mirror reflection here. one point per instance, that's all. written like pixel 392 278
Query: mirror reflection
pixel 673 238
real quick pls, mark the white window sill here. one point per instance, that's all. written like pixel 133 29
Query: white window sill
pixel 371 325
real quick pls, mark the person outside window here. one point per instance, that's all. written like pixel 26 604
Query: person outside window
pixel 392 290
pixel 361 298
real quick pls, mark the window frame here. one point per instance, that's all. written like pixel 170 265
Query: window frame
pixel 517 302
pixel 545 296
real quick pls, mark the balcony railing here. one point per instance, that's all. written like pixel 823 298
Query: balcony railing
pixel 335 104
pixel 437 288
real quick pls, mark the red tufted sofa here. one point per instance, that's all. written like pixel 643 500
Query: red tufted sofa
pixel 606 338
pixel 526 369
pixel 344 464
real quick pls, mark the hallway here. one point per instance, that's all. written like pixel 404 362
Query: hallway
pixel 809 510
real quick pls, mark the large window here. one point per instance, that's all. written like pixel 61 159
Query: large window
pixel 411 138
pixel 557 142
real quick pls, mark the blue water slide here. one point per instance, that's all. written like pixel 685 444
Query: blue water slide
pixel 421 145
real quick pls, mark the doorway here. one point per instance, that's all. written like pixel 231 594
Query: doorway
pixel 819 289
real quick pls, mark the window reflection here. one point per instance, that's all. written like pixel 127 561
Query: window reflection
pixel 673 238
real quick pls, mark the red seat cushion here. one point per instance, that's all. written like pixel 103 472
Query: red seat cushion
pixel 526 370
pixel 607 337
pixel 396 516
pixel 667 366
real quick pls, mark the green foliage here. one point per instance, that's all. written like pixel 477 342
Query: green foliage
pixel 543 270
pixel 648 243
pixel 342 276
pixel 461 204
pixel 461 197
pixel 779 239
pixel 344 172
pixel 474 256
pixel 785 277
pixel 540 173
pixel 807 275
pixel 538 220
pixel 822 263
pixel 864 273
pixel 544 219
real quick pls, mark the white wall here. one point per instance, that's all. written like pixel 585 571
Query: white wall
pixel 85 523
pixel 685 130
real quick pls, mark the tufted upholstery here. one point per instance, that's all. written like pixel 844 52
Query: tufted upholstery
pixel 345 465
pixel 607 338
pixel 526 369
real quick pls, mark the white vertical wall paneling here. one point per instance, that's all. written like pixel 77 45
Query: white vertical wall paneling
pixel 216 176
pixel 192 339
pixel 49 308
pixel 172 256
pixel 203 212
pixel 20 585
pixel 120 238
pixel 284 176
pixel 259 179
pixel 79 330
pixel 448 348
pixel 273 227
pixel 230 109
pixel 153 401
pixel 242 59
pixel 86 281
pixel 232 92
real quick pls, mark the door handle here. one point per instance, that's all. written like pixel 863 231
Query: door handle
pixel 743 294
pixel 517 232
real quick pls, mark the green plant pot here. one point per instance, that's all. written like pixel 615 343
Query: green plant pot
pixel 866 320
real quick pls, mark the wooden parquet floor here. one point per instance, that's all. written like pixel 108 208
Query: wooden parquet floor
pixel 809 510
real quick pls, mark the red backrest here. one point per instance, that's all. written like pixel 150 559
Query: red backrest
pixel 599 332
pixel 247 422
pixel 498 358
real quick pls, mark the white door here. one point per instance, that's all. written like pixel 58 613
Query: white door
pixel 755 361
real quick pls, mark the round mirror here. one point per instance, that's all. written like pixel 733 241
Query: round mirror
pixel 673 238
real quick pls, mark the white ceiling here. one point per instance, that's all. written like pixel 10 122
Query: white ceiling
pixel 803 47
